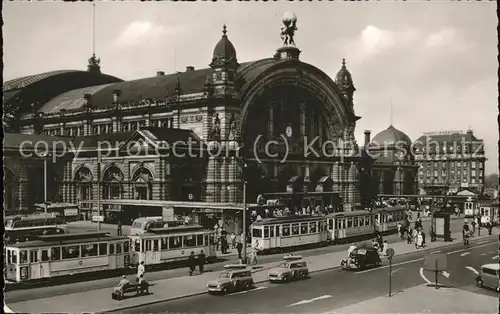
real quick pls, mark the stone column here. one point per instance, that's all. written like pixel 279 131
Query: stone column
pixel 224 179
pixel 270 125
pixel 335 176
pixel 381 184
pixel 302 119
pixel 397 181
pixel 307 178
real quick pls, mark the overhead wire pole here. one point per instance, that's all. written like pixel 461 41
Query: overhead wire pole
pixel 93 28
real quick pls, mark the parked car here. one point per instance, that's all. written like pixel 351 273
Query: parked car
pixel 292 268
pixel 234 278
pixel 488 277
pixel 361 258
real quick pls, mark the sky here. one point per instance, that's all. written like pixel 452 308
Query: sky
pixel 436 62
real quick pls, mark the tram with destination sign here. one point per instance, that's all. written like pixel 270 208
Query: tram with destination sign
pixel 65 254
pixel 161 245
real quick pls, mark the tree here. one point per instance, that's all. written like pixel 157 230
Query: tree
pixel 491 181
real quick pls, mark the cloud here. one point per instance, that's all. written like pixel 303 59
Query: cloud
pixel 140 32
pixel 449 39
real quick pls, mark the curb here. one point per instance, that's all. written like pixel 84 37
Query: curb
pixel 261 281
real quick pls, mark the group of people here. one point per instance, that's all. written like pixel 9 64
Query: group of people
pixel 140 280
pixel 200 262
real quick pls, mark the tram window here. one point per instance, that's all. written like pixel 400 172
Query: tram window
pixel 137 246
pixel 295 229
pixel 206 239
pixel 55 253
pixel 303 228
pixel 349 222
pixel 286 230
pixel 72 251
pixel 8 256
pixel 338 224
pixel 313 227
pixel 34 256
pixel 175 242
pixel 147 247
pixel 189 241
pixel 164 244
pixel 125 247
pixel 45 255
pixel 199 240
pixel 271 231
pixel 89 250
pixel 277 231
pixel 330 224
pixel 256 233
pixel 367 220
pixel 112 247
pixel 266 232
pixel 118 248
pixel 103 249
pixel 23 257
pixel 389 218
pixel 482 211
pixel 155 245
pixel 355 221
pixel 361 221
pixel 14 257
pixel 212 238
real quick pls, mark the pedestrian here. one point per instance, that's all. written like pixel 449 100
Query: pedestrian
pixel 202 260
pixel 375 244
pixel 432 234
pixel 192 264
pixel 141 270
pixel 239 248
pixel 254 253
pixel 490 227
pixel 119 228
pixel 419 241
pixel 233 240
pixel 409 236
pixel 473 227
pixel 400 233
pixel 384 248
pixel 423 238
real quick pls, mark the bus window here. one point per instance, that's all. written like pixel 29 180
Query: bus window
pixel 89 250
pixel 112 247
pixel 303 228
pixel 189 241
pixel 72 251
pixel 164 244
pixel 33 256
pixel 119 248
pixel 286 230
pixel 266 232
pixel 175 242
pixel 349 222
pixel 271 231
pixel 103 249
pixel 313 227
pixel 55 254
pixel 295 229
pixel 256 233
pixel 125 247
pixel 199 240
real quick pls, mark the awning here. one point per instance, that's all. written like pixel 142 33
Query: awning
pixel 295 179
pixel 324 179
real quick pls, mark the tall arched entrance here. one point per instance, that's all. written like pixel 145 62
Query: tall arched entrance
pixel 83 186
pixel 142 180
pixel 186 183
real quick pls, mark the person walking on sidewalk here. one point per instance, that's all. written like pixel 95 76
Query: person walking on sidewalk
pixel 141 270
pixel 239 247
pixel 489 226
pixel 192 264
pixel 233 240
pixel 202 260
pixel 409 236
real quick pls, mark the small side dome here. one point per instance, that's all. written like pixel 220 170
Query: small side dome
pixel 390 137
pixel 343 77
pixel 224 52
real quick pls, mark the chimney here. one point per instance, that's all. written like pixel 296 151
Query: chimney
pixel 190 68
pixel 160 73
pixel 367 137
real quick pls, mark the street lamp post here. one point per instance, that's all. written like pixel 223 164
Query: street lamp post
pixel 45 183
pixel 244 220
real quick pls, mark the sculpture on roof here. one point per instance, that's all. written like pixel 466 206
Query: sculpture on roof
pixel 288 30
pixel 94 61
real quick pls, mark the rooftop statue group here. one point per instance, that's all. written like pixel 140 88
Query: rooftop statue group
pixel 288 30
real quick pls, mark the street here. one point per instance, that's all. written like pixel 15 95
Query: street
pixel 41 292
pixel 333 289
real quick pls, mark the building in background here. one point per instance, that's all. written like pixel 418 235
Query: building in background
pixel 224 106
pixel 450 162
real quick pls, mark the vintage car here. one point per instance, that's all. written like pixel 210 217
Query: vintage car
pixel 233 278
pixel 292 268
pixel 488 277
pixel 361 258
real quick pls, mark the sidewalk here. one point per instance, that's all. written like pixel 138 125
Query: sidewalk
pixel 424 299
pixel 179 287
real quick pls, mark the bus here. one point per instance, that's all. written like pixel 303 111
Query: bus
pixel 143 224
pixel 22 228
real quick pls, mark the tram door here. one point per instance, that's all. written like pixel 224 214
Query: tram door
pixel 35 265
pixel 44 264
pixel 277 238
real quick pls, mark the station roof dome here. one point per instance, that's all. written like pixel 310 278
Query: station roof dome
pixel 224 51
pixel 391 136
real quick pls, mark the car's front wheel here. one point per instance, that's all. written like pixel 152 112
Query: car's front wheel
pixel 225 290
pixel 479 282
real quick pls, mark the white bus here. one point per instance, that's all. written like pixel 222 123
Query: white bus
pixel 22 228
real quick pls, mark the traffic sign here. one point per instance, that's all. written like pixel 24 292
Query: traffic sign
pixel 390 253
pixel 98 218
pixel 436 262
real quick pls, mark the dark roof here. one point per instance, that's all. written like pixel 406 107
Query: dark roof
pixel 15 140
pixel 448 138
pixel 391 136
pixel 343 77
pixel 224 52
pixel 25 81
pixel 288 219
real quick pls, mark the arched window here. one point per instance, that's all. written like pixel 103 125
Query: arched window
pixel 84 178
pixel 112 183
pixel 142 180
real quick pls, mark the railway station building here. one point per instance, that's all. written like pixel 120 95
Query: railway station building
pixel 119 136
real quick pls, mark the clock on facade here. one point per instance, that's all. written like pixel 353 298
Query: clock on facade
pixel 288 131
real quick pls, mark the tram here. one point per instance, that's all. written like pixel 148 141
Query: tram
pixel 470 210
pixel 388 218
pixel 162 245
pixel 279 233
pixel 21 228
pixel 490 214
pixel 65 254
pixel 346 225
